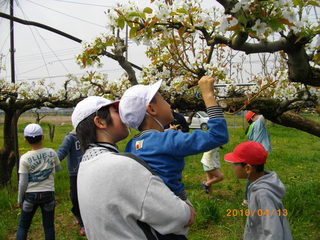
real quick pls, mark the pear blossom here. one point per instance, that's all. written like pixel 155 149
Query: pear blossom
pixel 236 7
pixel 317 42
pixel 289 15
pixel 233 22
pixel 259 27
pixel 223 25
pixel 279 3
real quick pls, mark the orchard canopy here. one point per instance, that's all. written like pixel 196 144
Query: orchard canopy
pixel 274 45
pixel 265 54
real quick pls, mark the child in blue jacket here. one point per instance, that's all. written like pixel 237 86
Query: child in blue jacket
pixel 70 148
pixel 143 108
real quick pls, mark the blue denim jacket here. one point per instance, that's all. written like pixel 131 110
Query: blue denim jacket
pixel 70 148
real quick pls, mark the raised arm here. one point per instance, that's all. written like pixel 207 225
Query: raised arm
pixel 206 86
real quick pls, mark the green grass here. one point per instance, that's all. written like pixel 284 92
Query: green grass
pixel 295 158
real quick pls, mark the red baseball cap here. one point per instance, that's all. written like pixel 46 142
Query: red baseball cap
pixel 248 152
pixel 249 115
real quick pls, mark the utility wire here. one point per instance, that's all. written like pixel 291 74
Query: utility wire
pixel 5 41
pixel 65 68
pixel 59 76
pixel 5 4
pixel 36 41
pixel 88 4
pixel 51 62
pixel 67 14
pixel 62 52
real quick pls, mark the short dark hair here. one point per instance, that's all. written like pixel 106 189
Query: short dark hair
pixel 34 140
pixel 86 129
pixel 258 168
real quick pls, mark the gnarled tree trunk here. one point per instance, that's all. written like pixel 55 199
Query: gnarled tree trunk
pixel 9 154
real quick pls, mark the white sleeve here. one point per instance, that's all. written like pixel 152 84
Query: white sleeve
pixel 23 165
pixel 23 185
pixel 164 211
pixel 56 161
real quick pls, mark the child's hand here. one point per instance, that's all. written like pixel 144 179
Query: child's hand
pixel 174 127
pixel 206 84
pixel 206 87
pixel 192 217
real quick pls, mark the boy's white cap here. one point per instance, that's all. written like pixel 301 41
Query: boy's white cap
pixel 88 106
pixel 133 103
pixel 32 130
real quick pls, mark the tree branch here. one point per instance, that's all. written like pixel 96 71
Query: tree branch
pixel 294 120
pixel 248 48
pixel 227 5
pixel 126 65
pixel 40 25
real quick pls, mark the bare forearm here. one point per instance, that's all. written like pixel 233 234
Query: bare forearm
pixel 209 99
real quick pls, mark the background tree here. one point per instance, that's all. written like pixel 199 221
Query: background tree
pixel 16 99
pixel 187 41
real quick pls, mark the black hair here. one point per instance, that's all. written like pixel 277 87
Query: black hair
pixel 33 140
pixel 144 121
pixel 259 168
pixel 86 129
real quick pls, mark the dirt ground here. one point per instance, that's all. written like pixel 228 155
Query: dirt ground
pixel 56 119
pixel 51 119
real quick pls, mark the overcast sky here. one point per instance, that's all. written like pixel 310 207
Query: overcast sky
pixel 43 54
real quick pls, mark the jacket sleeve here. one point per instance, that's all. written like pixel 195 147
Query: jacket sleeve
pixel 64 148
pixel 163 210
pixel 198 141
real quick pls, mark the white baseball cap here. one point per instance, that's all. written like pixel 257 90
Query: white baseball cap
pixel 32 130
pixel 133 103
pixel 88 106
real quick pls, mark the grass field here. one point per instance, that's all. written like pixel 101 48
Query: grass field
pixel 295 157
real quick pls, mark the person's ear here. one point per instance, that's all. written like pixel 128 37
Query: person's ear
pixel 151 110
pixel 248 168
pixel 99 122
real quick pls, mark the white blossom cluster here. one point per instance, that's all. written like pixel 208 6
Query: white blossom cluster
pixel 226 21
pixel 163 13
pixel 277 9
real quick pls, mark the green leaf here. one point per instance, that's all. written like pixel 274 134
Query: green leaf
pixel 173 14
pixel 296 2
pixel 275 24
pixel 147 10
pixel 316 58
pixel 243 20
pixel 134 14
pixel 314 3
pixel 182 10
pixel 110 42
pixel 133 32
pixel 121 23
